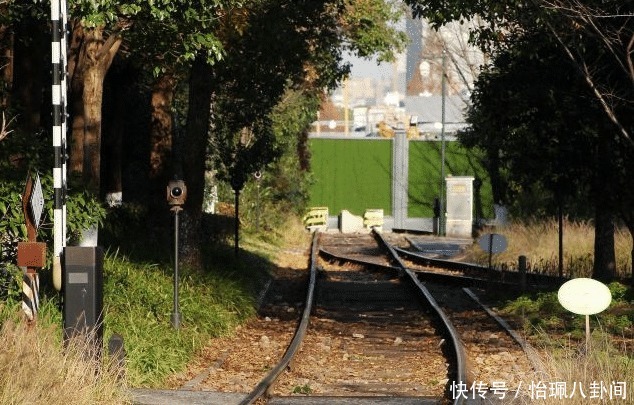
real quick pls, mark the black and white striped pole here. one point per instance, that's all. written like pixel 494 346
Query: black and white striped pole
pixel 59 93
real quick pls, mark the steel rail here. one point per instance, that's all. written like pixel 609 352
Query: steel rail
pixel 531 353
pixel 428 275
pixel 326 254
pixel 275 372
pixel 461 358
pixel 544 280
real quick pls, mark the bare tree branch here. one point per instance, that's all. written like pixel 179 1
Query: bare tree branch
pixel 4 127
pixel 618 40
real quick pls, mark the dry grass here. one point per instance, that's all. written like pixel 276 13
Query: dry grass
pixel 572 375
pixel 608 364
pixel 35 369
pixel 295 233
pixel 539 242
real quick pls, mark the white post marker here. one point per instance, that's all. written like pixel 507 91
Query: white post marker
pixel 584 296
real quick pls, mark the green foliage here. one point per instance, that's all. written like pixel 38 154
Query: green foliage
pixel 542 311
pixel 138 305
pixel 84 210
pixel 284 184
pixel 10 283
pixel 12 226
pixel 287 48
pixel 302 389
pixel 139 301
pixel 538 149
pixel 369 25
pixel 21 154
pixel 536 167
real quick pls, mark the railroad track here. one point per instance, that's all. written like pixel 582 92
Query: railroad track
pixel 372 330
pixel 368 304
pixel 369 333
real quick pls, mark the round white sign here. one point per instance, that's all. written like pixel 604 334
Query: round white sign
pixel 584 296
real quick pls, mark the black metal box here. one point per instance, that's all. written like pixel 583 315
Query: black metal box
pixel 83 291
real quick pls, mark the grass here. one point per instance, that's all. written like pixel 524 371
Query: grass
pixel 138 304
pixel 572 375
pixel 559 335
pixel 36 369
pixel 138 299
pixel 539 242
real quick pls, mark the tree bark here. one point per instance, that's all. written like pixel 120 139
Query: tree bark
pixel 119 81
pixel 604 256
pixel 29 70
pixel 94 60
pixel 194 151
pixel 6 63
pixel 161 127
pixel 76 104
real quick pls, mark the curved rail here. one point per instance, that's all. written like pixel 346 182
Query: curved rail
pixel 461 358
pixel 275 372
pixel 444 279
pixel 541 280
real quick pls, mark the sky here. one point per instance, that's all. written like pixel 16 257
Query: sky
pixel 369 68
pixel 365 68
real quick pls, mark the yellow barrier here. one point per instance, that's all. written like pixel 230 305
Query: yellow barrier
pixel 316 218
pixel 373 218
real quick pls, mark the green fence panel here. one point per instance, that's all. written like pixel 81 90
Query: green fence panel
pixel 356 174
pixel 351 174
pixel 424 176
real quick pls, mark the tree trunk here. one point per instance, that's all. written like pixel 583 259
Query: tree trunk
pixel 236 224
pixel 92 98
pixel 95 58
pixel 194 150
pixel 161 127
pixel 604 256
pixel 119 81
pixel 76 105
pixel 29 69
pixel 6 63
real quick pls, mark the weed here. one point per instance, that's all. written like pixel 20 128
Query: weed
pixel 35 368
pixel 539 242
pixel 302 389
pixel 570 373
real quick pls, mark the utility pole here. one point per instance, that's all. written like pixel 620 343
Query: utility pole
pixel 443 82
pixel 345 108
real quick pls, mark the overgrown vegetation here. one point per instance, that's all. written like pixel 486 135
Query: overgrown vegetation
pixel 138 293
pixel 602 374
pixel 543 312
pixel 558 335
pixel 35 369
pixel 538 240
